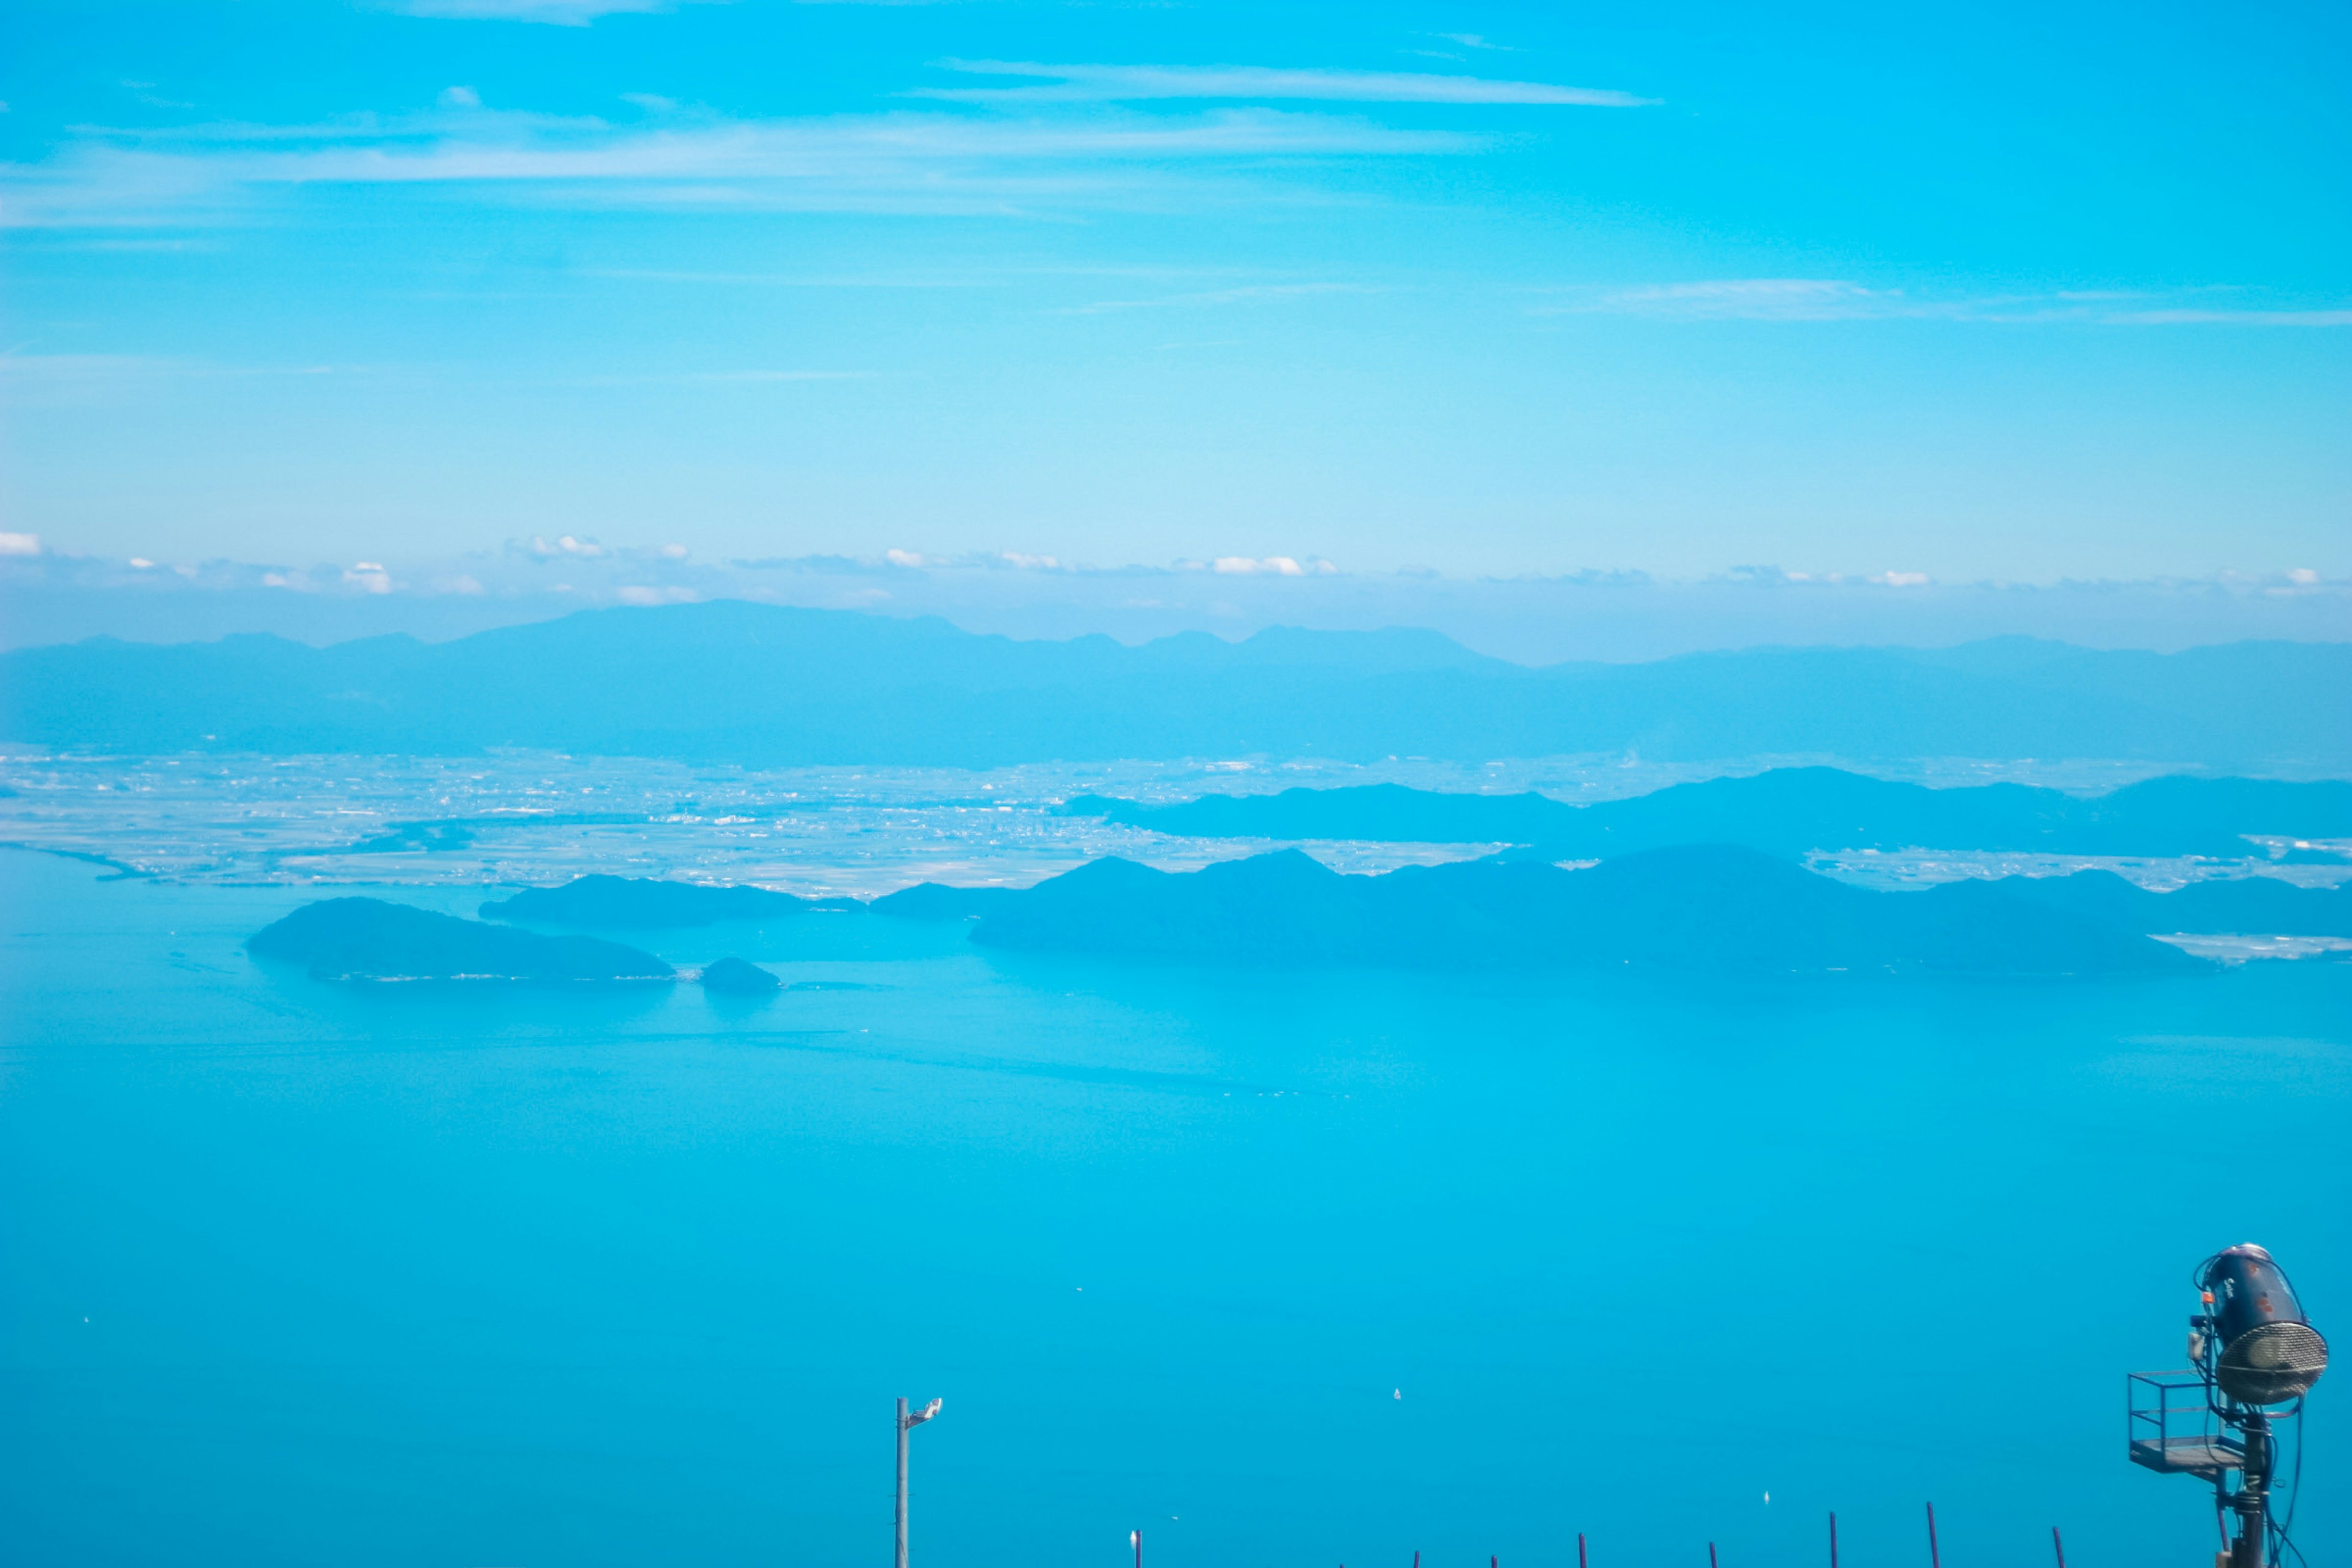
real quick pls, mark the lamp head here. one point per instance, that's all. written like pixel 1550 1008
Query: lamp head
pixel 2270 1351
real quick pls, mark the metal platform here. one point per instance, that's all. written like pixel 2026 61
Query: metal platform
pixel 2197 1455
pixel 2175 1428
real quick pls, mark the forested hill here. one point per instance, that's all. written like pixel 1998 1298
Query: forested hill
pixel 764 685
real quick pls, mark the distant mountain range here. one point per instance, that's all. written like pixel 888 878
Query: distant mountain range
pixel 1784 811
pixel 763 685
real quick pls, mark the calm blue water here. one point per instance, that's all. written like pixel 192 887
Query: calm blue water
pixel 296 1274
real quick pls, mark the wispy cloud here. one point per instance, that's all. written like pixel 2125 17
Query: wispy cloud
pixel 29 380
pixel 2232 318
pixel 1741 298
pixel 1246 294
pixel 1837 299
pixel 1107 83
pixel 1264 566
pixel 723 377
pixel 916 162
pixel 557 13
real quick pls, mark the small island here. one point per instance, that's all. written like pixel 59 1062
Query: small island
pixel 370 939
pixel 739 977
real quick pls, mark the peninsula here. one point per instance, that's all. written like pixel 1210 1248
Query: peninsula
pixel 370 940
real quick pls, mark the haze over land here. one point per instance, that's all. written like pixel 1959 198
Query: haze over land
pixel 768 686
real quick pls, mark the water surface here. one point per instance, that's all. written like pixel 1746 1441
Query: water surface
pixel 1279 1268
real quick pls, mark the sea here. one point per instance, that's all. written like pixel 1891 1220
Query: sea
pixel 1231 1268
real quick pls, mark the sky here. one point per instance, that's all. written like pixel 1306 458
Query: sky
pixel 2013 294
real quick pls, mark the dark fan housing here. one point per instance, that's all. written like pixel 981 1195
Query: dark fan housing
pixel 2270 1351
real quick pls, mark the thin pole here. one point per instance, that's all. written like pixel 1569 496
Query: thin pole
pixel 2252 1502
pixel 1580 1549
pixel 2059 1541
pixel 1833 1542
pixel 901 1423
pixel 1710 1554
pixel 1933 1560
pixel 1138 1537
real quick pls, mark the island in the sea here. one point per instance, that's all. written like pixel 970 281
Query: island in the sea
pixel 1690 908
pixel 739 977
pixel 370 939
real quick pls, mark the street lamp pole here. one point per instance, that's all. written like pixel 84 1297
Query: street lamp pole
pixel 907 1423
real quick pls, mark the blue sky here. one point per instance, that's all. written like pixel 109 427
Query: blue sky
pixel 2015 293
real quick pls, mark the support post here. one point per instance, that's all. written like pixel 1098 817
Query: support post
pixel 1933 1560
pixel 1833 1542
pixel 1579 1552
pixel 900 1560
pixel 2251 1550
pixel 2058 1544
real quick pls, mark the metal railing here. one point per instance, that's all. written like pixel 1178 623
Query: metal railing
pixel 2174 1427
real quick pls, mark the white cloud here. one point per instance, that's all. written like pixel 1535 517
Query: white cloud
pixel 1475 41
pixel 916 162
pixel 565 544
pixel 637 594
pixel 903 557
pixel 1106 83
pixel 460 97
pixel 1900 579
pixel 1247 566
pixel 369 575
pixel 20 544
